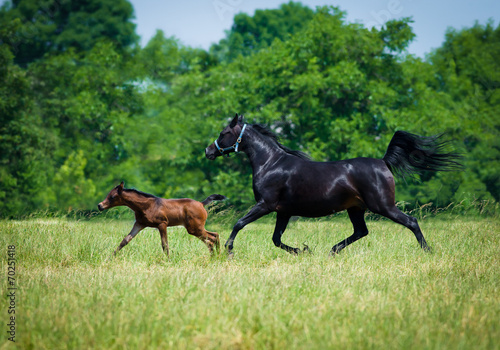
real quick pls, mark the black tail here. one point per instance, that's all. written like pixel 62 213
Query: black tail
pixel 213 197
pixel 408 154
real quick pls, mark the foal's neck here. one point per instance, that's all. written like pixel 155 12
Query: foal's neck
pixel 136 201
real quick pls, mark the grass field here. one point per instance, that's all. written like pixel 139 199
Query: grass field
pixel 382 292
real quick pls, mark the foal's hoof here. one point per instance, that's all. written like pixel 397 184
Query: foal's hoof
pixel 110 257
pixel 230 255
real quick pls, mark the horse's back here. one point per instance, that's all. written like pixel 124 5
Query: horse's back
pixel 372 180
pixel 321 188
pixel 356 171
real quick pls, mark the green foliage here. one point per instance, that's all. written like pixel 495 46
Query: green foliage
pixel 468 71
pixel 250 34
pixel 58 25
pixel 82 108
pixel 397 34
pixel 24 143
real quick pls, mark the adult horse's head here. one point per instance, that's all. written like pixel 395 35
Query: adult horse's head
pixel 229 139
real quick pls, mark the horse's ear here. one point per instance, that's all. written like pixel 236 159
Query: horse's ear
pixel 240 119
pixel 234 121
pixel 120 188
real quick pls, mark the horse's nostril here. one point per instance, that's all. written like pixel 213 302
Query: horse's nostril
pixel 209 154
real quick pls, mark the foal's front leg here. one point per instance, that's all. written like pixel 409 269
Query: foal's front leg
pixel 135 230
pixel 163 234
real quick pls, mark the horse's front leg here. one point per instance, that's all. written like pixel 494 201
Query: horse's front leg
pixel 281 223
pixel 258 211
pixel 135 230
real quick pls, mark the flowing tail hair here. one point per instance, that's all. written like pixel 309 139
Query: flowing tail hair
pixel 409 154
pixel 213 197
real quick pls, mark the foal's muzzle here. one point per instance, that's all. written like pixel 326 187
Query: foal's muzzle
pixel 100 207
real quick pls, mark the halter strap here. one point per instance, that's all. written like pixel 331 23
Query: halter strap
pixel 233 147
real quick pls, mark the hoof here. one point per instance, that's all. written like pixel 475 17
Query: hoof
pixel 428 249
pixel 306 249
pixel 333 253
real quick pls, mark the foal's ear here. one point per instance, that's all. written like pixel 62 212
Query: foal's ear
pixel 234 121
pixel 120 188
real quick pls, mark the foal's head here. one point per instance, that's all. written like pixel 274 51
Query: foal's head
pixel 113 199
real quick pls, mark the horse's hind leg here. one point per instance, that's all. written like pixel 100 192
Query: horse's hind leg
pixel 357 216
pixel 408 221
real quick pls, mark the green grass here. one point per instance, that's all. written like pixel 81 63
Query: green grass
pixel 382 292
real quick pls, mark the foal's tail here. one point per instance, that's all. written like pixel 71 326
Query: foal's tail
pixel 213 197
pixel 408 154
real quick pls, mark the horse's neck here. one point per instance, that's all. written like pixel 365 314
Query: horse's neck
pixel 260 150
pixel 135 201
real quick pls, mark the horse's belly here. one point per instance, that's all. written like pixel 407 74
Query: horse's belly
pixel 315 205
pixel 310 209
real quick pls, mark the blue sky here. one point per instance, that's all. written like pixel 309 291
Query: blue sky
pixel 199 23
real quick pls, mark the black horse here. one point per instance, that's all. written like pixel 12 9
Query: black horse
pixel 289 183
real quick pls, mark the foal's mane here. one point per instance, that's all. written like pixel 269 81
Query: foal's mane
pixel 140 192
pixel 261 129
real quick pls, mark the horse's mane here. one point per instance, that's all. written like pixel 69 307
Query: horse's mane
pixel 140 193
pixel 261 129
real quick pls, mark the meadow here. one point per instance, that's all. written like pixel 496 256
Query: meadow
pixel 382 292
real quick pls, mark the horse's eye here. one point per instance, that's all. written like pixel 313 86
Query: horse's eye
pixel 221 136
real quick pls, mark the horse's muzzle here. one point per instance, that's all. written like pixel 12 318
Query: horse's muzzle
pixel 100 207
pixel 210 152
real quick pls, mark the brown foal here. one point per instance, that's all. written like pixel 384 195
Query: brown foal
pixel 152 211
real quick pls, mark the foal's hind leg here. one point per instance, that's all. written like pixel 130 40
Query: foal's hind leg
pixel 211 239
pixel 357 216
pixel 410 222
pixel 214 238
pixel 208 238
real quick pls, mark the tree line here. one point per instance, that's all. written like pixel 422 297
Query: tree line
pixel 83 106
